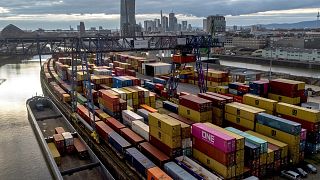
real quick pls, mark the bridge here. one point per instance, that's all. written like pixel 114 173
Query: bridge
pixel 102 44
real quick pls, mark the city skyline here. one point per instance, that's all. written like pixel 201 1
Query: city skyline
pixel 60 14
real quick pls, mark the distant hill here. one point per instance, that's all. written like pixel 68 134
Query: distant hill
pixel 299 25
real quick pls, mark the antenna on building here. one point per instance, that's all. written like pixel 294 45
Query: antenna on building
pixel 318 17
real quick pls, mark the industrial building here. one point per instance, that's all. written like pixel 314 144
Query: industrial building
pixel 292 54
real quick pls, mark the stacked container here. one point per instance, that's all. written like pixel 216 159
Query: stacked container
pixel 259 169
pixel 241 116
pixel 195 108
pixel 239 153
pixel 129 116
pixel 214 149
pixel 282 130
pixel 141 128
pixel 259 88
pixel 68 142
pixel 165 134
pixel 309 120
pixel 109 103
pixel 260 102
pixel 176 172
pixel 287 91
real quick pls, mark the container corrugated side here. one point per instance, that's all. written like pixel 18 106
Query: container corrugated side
pixel 242 110
pixel 166 124
pixel 279 123
pixel 239 139
pixel 195 116
pixel 141 128
pixel 283 146
pixel 247 124
pixel 156 173
pixel 252 139
pixel 157 156
pixel 226 172
pixel 176 172
pixel 260 102
pixel 299 112
pixel 284 99
pixel 172 142
pixel 214 138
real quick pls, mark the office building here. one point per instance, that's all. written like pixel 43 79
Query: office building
pixel 172 22
pixel 127 18
pixel 205 25
pixel 82 29
pixel 184 25
pixel 165 23
pixel 216 24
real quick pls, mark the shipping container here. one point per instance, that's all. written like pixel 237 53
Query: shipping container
pixel 59 130
pixel 164 148
pixel 115 124
pixel 227 159
pixel 247 124
pixel 138 161
pixel 170 106
pixel 181 119
pixel 310 126
pixel 252 139
pixel 225 172
pixel 260 102
pixel 195 169
pixel 299 112
pixel 59 142
pixel 145 114
pixel 239 139
pixel 229 99
pixel 148 108
pixel 118 143
pixel 156 173
pixel 166 124
pixel 80 148
pixel 242 110
pixel 216 101
pixel 279 123
pixel 195 115
pixel 251 151
pixel 55 153
pixel 284 99
pixel 129 116
pixel 171 141
pixel 103 130
pixel 131 136
pixel 216 139
pixel 141 128
pixel 158 157
pixel 195 103
pixel 176 172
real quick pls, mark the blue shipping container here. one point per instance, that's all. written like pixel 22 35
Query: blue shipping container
pixel 138 161
pixel 118 143
pixel 251 151
pixel 279 123
pixel 150 85
pixel 176 172
pixel 171 106
pixel 159 81
pixel 252 139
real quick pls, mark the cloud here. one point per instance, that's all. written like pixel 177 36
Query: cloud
pixel 4 10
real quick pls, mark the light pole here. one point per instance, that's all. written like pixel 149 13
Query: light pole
pixel 270 70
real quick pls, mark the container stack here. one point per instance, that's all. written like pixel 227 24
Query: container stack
pixel 222 89
pixel 218 103
pixel 68 142
pixel 129 116
pixel 124 81
pixel 62 71
pixel 241 116
pixel 259 88
pixel 239 153
pixel 280 151
pixel 260 102
pixel 303 141
pixel 237 90
pixel 309 120
pixel 287 91
pixel 141 128
pixel 109 103
pixel 255 160
pixel 165 134
pixel 85 114
pixel 195 108
pixel 282 130
pixel 216 78
pixel 214 149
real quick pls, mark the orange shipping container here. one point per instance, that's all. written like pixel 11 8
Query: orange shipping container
pixel 148 108
pixel 156 173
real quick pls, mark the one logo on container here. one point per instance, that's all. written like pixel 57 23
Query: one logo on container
pixel 207 136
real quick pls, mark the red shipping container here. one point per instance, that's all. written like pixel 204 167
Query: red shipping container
pixel 217 101
pixel 123 105
pixel 182 119
pixel 108 96
pixel 70 149
pixel 227 159
pixel 59 142
pixel 131 136
pixel 113 107
pixel 196 103
pixel 84 113
pixel 238 99
pixel 158 157
pixel 309 126
pixel 243 88
pixel 164 148
pixel 227 98
pixel 115 124
pixel 103 130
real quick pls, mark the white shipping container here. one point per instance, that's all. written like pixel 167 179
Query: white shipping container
pixel 129 116
pixel 68 139
pixel 311 105
pixel 123 95
pixel 141 128
pixel 111 65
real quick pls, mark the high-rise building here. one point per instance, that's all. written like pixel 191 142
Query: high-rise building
pixel 82 29
pixel 165 23
pixel 189 27
pixel 127 17
pixel 205 25
pixel 179 27
pixel 184 25
pixel 171 22
pixel 216 24
pixel 235 28
pixel 149 26
pixel 157 24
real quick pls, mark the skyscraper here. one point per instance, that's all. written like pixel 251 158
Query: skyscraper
pixel 165 26
pixel 127 17
pixel 184 25
pixel 205 25
pixel 216 24
pixel 171 22
pixel 82 28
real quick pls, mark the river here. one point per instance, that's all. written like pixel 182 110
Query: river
pixel 20 153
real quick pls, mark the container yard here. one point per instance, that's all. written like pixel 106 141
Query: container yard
pixel 231 131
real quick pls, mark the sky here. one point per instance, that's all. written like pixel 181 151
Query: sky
pixel 54 14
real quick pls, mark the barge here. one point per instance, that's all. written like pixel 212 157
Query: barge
pixel 66 153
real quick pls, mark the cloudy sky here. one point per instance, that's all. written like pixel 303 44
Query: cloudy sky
pixel 53 14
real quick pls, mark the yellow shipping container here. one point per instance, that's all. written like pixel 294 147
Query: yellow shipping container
pixel 185 129
pixel 166 124
pixel 55 153
pixel 263 158
pixel 239 169
pixel 240 140
pixel 280 144
pixel 135 94
pixel 284 99
pixel 195 116
pixel 240 121
pixel 152 97
pixel 217 112
pixel 153 104
pixel 222 89
pixel 147 100
pixel 270 157
pixel 239 156
pixel 128 93
pixel 212 89
pixel 242 110
pixel 215 74
pixel 172 142
pixel 259 102
pixel 135 101
pixel 298 112
pixel 224 171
